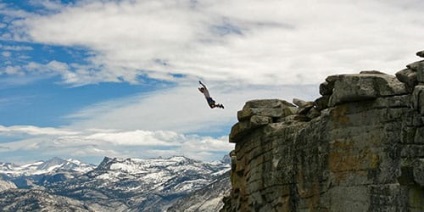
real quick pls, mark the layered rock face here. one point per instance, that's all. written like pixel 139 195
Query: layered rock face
pixel 359 147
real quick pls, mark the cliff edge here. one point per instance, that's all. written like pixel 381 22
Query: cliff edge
pixel 359 147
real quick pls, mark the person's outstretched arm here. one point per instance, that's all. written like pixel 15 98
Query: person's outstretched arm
pixel 200 82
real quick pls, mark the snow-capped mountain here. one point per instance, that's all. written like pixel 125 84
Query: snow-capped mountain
pixel 44 167
pixel 116 184
pixel 157 174
pixel 33 175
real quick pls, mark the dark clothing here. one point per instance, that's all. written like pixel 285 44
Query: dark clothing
pixel 211 102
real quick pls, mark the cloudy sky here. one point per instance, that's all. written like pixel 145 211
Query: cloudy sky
pixel 86 79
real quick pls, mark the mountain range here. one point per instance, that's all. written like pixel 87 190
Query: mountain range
pixel 116 184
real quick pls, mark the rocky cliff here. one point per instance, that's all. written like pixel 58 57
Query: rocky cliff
pixel 359 147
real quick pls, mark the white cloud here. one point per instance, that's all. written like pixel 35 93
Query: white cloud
pixel 12 70
pixel 271 41
pixel 33 130
pixel 16 48
pixel 73 74
pixel 182 109
pixel 63 142
pixel 139 138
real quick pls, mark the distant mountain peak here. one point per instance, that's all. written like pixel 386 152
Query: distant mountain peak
pixel 41 167
pixel 52 163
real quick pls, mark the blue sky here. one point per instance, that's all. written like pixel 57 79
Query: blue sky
pixel 86 79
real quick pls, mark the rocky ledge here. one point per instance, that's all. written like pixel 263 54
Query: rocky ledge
pixel 359 147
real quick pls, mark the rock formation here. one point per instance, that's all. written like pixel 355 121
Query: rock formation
pixel 207 199
pixel 5 185
pixel 359 147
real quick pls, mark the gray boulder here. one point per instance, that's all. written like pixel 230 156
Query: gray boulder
pixel 418 67
pixel 257 113
pixel 361 87
pixel 418 99
pixel 409 77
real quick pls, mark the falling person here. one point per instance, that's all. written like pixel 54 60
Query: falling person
pixel 205 92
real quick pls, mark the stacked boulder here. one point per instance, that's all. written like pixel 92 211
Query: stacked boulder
pixel 358 147
pixel 259 113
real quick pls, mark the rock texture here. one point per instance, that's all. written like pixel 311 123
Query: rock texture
pixel 359 147
pixel 207 199
pixel 5 185
pixel 39 200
